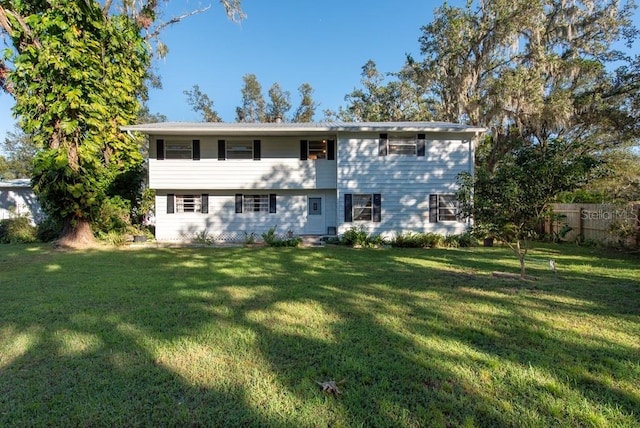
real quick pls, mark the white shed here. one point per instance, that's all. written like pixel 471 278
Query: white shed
pixel 17 199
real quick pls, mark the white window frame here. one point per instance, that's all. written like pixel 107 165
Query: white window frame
pixel 178 150
pixel 237 149
pixel 361 203
pixel 188 203
pixel 318 151
pixel 402 146
pixel 255 204
pixel 448 206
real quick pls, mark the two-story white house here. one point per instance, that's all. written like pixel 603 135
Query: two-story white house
pixel 232 179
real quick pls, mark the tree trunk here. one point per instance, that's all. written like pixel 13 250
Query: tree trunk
pixel 521 255
pixel 76 233
pixel 523 272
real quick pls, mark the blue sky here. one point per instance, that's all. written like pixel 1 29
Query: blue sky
pixel 323 43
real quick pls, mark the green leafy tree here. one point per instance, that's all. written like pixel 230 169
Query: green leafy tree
pixel 253 104
pixel 376 101
pixel 536 70
pixel 279 103
pixel 307 108
pixel 537 76
pixel 201 103
pixel 77 73
pixel 5 169
pixel 20 150
pixel 511 202
pixel 77 78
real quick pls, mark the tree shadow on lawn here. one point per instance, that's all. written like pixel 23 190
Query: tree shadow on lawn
pixel 608 281
pixel 384 325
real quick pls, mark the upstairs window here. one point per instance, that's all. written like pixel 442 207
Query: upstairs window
pixel 401 145
pixel 173 149
pixel 317 149
pixel 239 150
pixel 177 150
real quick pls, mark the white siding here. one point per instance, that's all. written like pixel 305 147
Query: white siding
pixel 242 174
pixel 278 168
pixel 223 223
pixel 19 201
pixel 404 182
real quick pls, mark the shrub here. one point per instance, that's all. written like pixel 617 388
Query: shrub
pixel 466 239
pixel 48 229
pixel 355 236
pixel 359 237
pixel 249 238
pixel 432 240
pixel 273 240
pixel 203 238
pixel 408 240
pixel 451 241
pixel 112 237
pixel 270 236
pixel 114 215
pixel 17 230
pixel 422 240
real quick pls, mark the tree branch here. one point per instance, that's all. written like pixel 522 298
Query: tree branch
pixel 107 7
pixel 234 11
pixel 156 32
pixel 4 21
pixel 6 25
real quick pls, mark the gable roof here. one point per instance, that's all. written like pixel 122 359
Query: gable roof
pixel 284 128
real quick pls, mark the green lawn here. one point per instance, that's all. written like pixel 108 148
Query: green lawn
pixel 239 337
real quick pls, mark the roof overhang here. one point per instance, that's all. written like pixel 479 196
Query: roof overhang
pixel 215 128
pixel 16 183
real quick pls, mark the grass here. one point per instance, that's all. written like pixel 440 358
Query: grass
pixel 239 337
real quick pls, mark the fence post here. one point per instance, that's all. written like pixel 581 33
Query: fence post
pixel 581 223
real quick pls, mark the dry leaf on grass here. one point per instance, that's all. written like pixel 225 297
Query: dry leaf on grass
pixel 331 387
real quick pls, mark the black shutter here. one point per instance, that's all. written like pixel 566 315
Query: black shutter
pixel 196 149
pixel 420 145
pixel 331 150
pixel 238 202
pixel 382 145
pixel 304 148
pixel 170 203
pixel 256 150
pixel 222 150
pixel 433 208
pixel 160 149
pixel 272 203
pixel 204 203
pixel 348 208
pixel 377 207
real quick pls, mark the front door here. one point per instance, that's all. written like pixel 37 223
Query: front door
pixel 315 215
